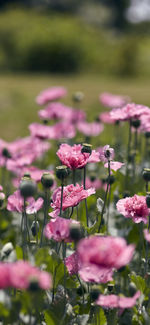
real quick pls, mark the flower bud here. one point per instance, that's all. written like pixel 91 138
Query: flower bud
pixel 45 122
pixel 94 294
pixel 111 179
pixel 75 232
pixel 136 123
pixel 47 180
pixel 148 200
pixel 93 177
pixel 6 153
pixel 146 174
pixel 34 285
pixel 27 175
pixel 81 290
pixel 61 172
pixel 132 289
pixel 27 187
pixel 86 148
pixel 35 228
pixel 147 134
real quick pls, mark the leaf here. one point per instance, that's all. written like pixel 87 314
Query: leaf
pixel 19 253
pixel 101 318
pixel 139 282
pixel 48 319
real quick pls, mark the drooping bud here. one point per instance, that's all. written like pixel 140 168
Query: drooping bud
pixel 27 187
pixel 86 148
pixel 47 180
pixel 35 228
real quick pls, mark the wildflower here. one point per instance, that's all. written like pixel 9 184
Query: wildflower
pixel 90 129
pixel 59 229
pixel 16 203
pixel 114 301
pixel 129 112
pixel 112 101
pixel 134 207
pixel 50 94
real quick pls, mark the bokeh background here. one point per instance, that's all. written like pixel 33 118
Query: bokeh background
pixel 91 46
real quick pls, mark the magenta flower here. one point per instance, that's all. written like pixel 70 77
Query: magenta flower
pixel 106 118
pixel 94 274
pixel 42 131
pixel 72 157
pixel 72 195
pixel 112 101
pixel 129 112
pixel 96 183
pixel 59 229
pixel 64 129
pixel 147 235
pixel 21 274
pixel 16 202
pixel 105 252
pixel 134 207
pixel 113 301
pixel 50 94
pixel 72 263
pixel 90 129
pixel 106 153
pixel 114 165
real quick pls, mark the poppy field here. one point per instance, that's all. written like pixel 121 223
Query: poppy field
pixel 75 214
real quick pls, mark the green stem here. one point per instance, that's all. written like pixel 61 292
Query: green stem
pixel 81 287
pixel 105 199
pixel 61 203
pixel 84 185
pixel 45 216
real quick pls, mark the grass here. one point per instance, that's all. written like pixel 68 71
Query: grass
pixel 18 92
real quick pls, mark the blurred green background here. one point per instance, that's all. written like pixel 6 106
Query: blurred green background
pixel 92 46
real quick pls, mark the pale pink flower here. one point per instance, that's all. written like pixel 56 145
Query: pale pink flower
pixel 64 129
pixel 129 112
pixel 134 207
pixel 59 229
pixel 105 252
pixel 112 101
pixel 94 274
pixel 96 183
pixel 113 301
pixel 1 188
pixel 90 129
pixel 16 203
pixel 114 165
pixel 106 153
pixel 105 117
pixel 50 94
pixel 72 195
pixel 42 131
pixel 21 274
pixel 147 235
pixel 72 263
pixel 72 157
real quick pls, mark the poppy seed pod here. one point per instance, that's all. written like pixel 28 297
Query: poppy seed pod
pixel 147 134
pixel 34 285
pixel 110 287
pixel 136 123
pixel 94 294
pixel 146 174
pixel 86 148
pixel 6 153
pixel 61 172
pixel 78 96
pixel 35 228
pixel 132 288
pixel 75 232
pixel 27 175
pixel 47 180
pixel 27 187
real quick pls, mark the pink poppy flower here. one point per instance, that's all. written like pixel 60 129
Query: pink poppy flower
pixel 4 275
pixel 72 263
pixel 96 183
pixel 112 101
pixel 114 165
pixel 21 274
pixel 145 123
pixel 42 131
pixel 106 118
pixel 113 301
pixel 105 252
pixel 90 129
pixel 147 235
pixel 72 157
pixel 16 202
pixel 134 207
pixel 64 129
pixel 1 188
pixel 94 274
pixel 106 153
pixel 59 229
pixel 129 112
pixel 50 94
pixel 72 195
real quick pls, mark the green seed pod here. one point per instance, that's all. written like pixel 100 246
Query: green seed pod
pixel 75 232
pixel 147 134
pixel 136 123
pixel 27 187
pixel 47 180
pixel 148 200
pixel 35 228
pixel 61 172
pixel 94 294
pixel 132 289
pixel 146 174
pixel 110 287
pixel 6 153
pixel 78 96
pixel 34 285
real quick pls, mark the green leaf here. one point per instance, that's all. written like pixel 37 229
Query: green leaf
pixel 19 253
pixel 139 282
pixel 48 319
pixel 101 318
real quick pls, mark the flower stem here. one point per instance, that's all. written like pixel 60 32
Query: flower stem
pixel 84 185
pixel 105 199
pixel 45 216
pixel 61 204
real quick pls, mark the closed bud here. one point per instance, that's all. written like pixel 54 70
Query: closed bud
pixel 81 290
pixel 47 180
pixel 27 175
pixel 78 96
pixel 94 294
pixel 75 232
pixel 146 174
pixel 110 287
pixel 34 285
pixel 132 289
pixel 35 228
pixel 27 187
pixel 61 172
pixel 86 148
